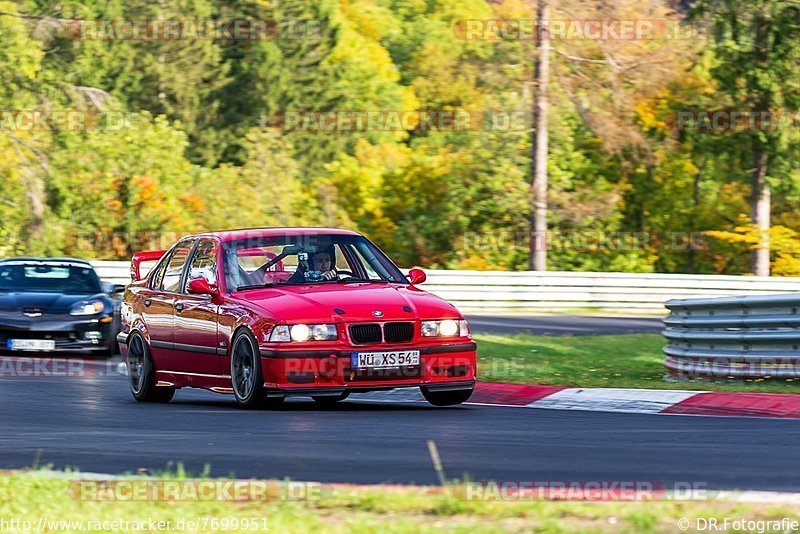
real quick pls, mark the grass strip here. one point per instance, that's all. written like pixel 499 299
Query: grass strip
pixel 613 361
pixel 27 496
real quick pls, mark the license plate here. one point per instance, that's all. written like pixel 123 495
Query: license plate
pixel 31 344
pixel 384 360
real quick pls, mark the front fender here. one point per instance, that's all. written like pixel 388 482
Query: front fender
pixel 238 316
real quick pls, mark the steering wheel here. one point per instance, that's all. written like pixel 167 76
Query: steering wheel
pixel 346 273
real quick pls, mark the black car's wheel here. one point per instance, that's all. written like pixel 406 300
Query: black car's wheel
pixel 446 398
pixel 142 373
pixel 247 378
pixel 326 401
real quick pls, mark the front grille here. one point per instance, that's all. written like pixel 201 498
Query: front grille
pixel 365 333
pixel 398 332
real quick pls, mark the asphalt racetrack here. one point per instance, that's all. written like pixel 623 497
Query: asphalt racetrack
pixel 556 325
pixel 93 424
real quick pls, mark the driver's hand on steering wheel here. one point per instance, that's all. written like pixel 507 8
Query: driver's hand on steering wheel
pixel 330 275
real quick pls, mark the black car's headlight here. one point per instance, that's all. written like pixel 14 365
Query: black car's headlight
pixel 445 328
pixel 304 332
pixel 88 307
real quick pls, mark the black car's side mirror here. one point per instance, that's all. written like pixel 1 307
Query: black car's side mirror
pixel 112 289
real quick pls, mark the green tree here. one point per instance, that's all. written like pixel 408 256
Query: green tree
pixel 755 44
pixel 119 191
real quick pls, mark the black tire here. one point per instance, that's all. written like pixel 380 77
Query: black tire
pixel 446 398
pixel 328 401
pixel 142 373
pixel 247 378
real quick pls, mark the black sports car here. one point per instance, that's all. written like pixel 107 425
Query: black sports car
pixel 56 305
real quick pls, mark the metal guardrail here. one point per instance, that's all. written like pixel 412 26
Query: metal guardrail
pixel 495 291
pixel 735 337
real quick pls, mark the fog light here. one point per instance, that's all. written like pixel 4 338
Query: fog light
pixel 93 336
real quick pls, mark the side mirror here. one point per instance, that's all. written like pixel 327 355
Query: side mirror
pixel 416 276
pixel 199 286
pixel 112 290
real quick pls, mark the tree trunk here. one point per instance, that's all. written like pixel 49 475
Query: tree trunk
pixel 34 226
pixel 538 193
pixel 692 267
pixel 760 212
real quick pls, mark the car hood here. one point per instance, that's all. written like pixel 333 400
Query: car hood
pixel 359 302
pixel 51 303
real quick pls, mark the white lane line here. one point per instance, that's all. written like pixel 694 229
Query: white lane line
pixel 767 497
pixel 530 326
pixel 613 400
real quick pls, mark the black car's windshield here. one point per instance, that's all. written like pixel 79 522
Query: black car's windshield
pixel 305 259
pixel 48 278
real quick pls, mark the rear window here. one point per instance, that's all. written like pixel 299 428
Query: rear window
pixel 48 278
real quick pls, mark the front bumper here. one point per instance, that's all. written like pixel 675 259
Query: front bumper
pixel 68 333
pixel 304 372
pixel 330 391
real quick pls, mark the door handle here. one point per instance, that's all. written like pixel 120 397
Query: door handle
pixel 147 303
pixel 179 306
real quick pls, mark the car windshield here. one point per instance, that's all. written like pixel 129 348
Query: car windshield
pixel 305 259
pixel 48 278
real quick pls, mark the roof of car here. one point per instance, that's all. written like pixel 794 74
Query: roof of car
pixel 33 259
pixel 248 233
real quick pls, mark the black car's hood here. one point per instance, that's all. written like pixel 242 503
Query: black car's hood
pixel 49 303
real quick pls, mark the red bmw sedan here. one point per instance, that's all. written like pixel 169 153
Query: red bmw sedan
pixel 268 313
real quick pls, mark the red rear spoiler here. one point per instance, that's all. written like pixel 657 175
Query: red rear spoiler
pixel 139 257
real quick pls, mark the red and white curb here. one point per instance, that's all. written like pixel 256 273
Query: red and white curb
pixel 646 401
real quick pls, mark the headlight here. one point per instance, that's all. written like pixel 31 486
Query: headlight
pixel 322 332
pixel 92 307
pixel 300 332
pixel 445 328
pixel 304 332
pixel 448 328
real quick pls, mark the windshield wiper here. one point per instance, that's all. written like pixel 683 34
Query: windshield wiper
pixel 362 280
pixel 256 286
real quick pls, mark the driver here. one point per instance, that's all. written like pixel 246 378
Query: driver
pixel 319 264
pixel 323 261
